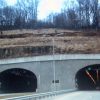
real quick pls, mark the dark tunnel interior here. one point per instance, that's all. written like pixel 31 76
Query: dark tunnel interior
pixel 17 81
pixel 88 78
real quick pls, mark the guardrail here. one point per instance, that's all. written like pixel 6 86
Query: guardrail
pixel 41 96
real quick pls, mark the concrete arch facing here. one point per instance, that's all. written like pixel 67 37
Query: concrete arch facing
pixel 66 68
pixel 88 78
pixel 17 80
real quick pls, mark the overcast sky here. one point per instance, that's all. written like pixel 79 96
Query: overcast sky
pixel 46 7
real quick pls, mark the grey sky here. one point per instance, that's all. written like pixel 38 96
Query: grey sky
pixel 48 6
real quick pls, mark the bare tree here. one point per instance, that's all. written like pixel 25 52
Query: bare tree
pixel 84 12
pixel 9 15
pixel 28 10
pixel 30 7
pixel 95 14
pixel 72 18
pixel 3 3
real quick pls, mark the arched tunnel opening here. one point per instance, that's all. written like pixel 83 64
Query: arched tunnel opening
pixel 17 80
pixel 88 78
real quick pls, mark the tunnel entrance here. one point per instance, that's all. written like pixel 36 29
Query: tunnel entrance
pixel 88 78
pixel 17 80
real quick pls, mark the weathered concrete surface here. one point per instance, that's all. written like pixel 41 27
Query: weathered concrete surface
pixel 66 67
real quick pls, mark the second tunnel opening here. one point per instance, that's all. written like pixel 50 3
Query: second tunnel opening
pixel 88 78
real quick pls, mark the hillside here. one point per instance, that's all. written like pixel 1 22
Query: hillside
pixel 20 43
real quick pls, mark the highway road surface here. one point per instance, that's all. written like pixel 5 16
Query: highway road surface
pixel 12 95
pixel 76 95
pixel 80 95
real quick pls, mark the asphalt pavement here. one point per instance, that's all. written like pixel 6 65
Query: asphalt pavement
pixel 79 95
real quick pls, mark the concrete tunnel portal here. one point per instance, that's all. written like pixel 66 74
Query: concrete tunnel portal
pixel 17 80
pixel 88 78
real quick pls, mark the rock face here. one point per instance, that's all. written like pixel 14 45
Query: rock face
pixel 25 51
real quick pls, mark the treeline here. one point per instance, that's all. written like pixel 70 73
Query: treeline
pixel 80 14
pixel 85 14
pixel 22 15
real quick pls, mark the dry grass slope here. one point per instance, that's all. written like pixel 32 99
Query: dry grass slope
pixel 18 43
